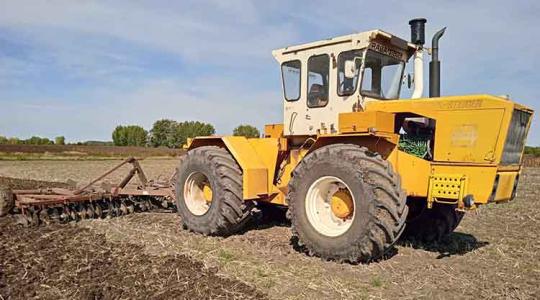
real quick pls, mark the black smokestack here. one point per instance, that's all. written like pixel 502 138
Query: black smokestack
pixel 418 31
pixel 435 66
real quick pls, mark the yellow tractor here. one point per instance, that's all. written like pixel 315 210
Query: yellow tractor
pixel 355 165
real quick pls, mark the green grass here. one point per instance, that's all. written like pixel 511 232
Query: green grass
pixel 225 256
pixel 376 281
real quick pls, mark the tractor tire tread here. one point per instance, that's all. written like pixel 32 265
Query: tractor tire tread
pixel 388 209
pixel 233 212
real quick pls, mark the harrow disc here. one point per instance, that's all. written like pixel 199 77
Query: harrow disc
pixel 131 208
pixel 73 214
pixel 65 215
pixel 81 211
pixel 44 216
pixel 33 216
pixel 7 201
pixel 123 208
pixel 54 214
pixel 98 210
pixel 90 211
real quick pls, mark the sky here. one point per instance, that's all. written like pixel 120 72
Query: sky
pixel 79 68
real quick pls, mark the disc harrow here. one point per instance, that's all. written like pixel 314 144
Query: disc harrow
pixel 47 205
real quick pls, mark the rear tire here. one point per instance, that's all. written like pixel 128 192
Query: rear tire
pixel 227 212
pixel 378 204
pixel 431 225
pixel 7 201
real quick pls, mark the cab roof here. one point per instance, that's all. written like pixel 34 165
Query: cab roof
pixel 357 40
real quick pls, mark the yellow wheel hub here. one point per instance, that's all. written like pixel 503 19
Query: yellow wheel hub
pixel 342 204
pixel 207 192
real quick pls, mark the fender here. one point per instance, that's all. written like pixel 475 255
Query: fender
pixel 256 157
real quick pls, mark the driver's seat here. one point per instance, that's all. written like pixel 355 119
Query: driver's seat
pixel 317 96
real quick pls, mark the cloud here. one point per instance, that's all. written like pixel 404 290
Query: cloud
pixel 210 100
pixel 134 62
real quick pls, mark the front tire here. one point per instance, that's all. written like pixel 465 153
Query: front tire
pixel 209 192
pixel 371 220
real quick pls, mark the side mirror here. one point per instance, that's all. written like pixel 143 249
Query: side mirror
pixel 350 69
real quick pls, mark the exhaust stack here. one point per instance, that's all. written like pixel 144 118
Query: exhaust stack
pixel 435 66
pixel 418 38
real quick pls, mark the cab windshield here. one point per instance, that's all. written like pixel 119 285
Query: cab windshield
pixel 382 76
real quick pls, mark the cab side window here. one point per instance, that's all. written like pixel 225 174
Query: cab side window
pixel 290 74
pixel 318 69
pixel 349 64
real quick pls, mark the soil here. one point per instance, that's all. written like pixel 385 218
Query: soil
pixel 70 262
pixel 80 151
pixel 494 253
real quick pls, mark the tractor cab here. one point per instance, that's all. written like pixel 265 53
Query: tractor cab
pixel 325 78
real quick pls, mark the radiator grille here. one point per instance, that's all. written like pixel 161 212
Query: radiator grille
pixel 515 140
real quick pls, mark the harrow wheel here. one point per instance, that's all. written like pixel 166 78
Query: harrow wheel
pixel 346 204
pixel 209 192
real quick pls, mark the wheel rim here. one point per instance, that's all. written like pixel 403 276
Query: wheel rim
pixel 198 193
pixel 330 206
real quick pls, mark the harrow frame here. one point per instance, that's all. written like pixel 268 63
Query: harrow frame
pixel 45 204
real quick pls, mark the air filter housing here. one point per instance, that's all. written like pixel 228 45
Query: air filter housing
pixel 418 31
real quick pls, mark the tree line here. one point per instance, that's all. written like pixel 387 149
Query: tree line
pixel 35 140
pixel 164 133
pixel 170 133
pixel 533 151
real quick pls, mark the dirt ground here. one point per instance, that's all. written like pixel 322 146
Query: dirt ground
pixel 494 254
pixel 82 171
pixel 81 152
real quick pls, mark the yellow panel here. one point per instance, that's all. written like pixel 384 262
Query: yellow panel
pixel 505 187
pixel 470 128
pixel 414 173
pixel 447 188
pixel 468 136
pixel 267 150
pixel 371 121
pixel 480 178
pixel 273 130
pixel 281 188
pixel 255 172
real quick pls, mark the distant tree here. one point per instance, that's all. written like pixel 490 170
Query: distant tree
pixel 14 141
pixel 532 150
pixel 36 140
pixel 131 135
pixel 163 133
pixel 3 139
pixel 119 136
pixel 247 131
pixel 190 129
pixel 169 133
pixel 97 143
pixel 59 140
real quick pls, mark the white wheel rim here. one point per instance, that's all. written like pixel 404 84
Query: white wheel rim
pixel 318 206
pixel 194 193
